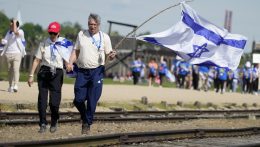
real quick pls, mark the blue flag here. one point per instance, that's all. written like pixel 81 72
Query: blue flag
pixel 198 41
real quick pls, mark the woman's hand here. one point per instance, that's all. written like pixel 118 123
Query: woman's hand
pixel 30 81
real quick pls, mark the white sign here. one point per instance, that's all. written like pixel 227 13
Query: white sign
pixel 256 58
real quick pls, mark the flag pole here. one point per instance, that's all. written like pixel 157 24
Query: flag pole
pixel 120 42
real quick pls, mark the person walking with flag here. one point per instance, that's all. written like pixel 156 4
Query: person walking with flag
pixel 14 50
pixel 51 55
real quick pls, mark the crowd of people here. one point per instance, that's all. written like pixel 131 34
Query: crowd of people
pixel 198 77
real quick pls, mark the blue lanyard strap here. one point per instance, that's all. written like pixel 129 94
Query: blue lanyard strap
pixel 98 45
pixel 53 56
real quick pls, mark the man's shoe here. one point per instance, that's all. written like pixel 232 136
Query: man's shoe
pixel 15 88
pixel 53 128
pixel 42 128
pixel 85 129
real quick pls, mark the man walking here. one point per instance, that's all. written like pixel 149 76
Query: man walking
pixel 89 52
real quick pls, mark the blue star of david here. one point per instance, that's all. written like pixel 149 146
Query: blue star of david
pixel 198 50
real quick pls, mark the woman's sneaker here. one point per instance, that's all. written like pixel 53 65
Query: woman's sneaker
pixel 10 89
pixel 15 88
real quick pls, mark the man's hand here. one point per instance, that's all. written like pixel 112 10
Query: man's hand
pixel 112 55
pixel 69 67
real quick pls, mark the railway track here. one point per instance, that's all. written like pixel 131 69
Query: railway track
pixel 118 139
pixel 16 118
pixel 140 137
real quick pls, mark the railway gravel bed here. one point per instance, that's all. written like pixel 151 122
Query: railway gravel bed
pixel 243 141
pixel 70 130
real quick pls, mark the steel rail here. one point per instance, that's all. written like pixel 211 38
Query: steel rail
pixel 139 137
pixel 127 119
pixel 8 118
pixel 10 115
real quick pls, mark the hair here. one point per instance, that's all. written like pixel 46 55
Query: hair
pixel 17 22
pixel 96 17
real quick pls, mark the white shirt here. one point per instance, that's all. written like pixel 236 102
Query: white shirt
pixel 12 40
pixel 49 55
pixel 92 49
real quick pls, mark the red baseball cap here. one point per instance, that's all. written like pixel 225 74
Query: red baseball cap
pixel 54 27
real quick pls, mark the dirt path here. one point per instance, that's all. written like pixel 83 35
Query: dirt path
pixel 124 93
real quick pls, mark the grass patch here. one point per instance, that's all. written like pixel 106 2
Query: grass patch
pixel 24 78
pixel 8 107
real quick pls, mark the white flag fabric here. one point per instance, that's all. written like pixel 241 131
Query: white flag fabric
pixel 19 17
pixel 64 48
pixel 198 41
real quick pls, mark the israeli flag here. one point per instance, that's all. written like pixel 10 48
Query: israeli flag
pixel 198 41
pixel 64 48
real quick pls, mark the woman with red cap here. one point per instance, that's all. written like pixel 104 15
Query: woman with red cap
pixel 51 55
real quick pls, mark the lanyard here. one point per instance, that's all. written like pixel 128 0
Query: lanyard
pixel 53 56
pixel 98 45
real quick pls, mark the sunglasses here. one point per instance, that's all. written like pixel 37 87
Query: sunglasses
pixel 52 33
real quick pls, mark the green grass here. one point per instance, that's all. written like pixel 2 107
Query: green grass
pixel 24 78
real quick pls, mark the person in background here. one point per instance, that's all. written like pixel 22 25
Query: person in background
pixel 14 50
pixel 203 77
pixel 235 81
pixel 162 70
pixel 211 77
pixel 222 78
pixel 90 51
pixel 153 67
pixel 175 69
pixel 184 72
pixel 136 67
pixel 247 78
pixel 51 59
pixel 195 77
pixel 230 80
pixel 255 79
pixel 142 73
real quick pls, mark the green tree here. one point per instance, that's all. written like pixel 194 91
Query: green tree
pixel 4 24
pixel 245 57
pixel 33 35
pixel 115 33
pixel 70 31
